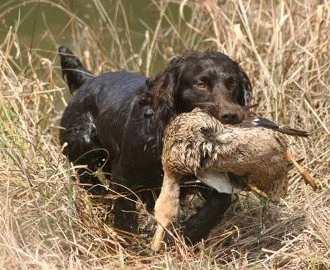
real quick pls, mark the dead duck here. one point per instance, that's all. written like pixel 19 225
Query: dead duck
pixel 197 143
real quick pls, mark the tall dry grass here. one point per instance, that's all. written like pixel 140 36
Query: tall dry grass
pixel 49 223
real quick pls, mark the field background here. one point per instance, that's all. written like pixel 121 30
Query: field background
pixel 47 222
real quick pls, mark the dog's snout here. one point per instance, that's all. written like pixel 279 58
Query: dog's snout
pixel 230 116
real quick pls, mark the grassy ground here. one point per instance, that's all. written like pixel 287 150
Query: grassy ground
pixel 49 223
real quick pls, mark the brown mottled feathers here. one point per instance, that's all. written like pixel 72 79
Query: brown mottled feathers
pixel 202 144
pixel 197 143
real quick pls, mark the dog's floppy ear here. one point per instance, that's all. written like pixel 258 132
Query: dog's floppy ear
pixel 164 86
pixel 245 89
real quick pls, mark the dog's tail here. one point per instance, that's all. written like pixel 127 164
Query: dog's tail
pixel 73 70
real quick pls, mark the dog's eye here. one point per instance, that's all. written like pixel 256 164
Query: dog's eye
pixel 201 85
pixel 231 84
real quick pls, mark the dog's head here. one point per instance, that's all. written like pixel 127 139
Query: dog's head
pixel 209 80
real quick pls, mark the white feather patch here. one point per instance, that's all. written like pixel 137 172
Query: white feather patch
pixel 219 181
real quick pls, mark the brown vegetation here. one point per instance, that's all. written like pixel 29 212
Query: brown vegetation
pixel 49 222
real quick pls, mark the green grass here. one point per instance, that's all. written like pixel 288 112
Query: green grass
pixel 49 222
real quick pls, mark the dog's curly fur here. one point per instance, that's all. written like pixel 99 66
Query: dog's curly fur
pixel 116 120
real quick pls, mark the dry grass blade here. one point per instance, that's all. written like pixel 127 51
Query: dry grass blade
pixel 48 222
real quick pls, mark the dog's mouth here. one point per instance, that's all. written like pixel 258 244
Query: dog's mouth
pixel 207 107
pixel 251 107
pixel 226 115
